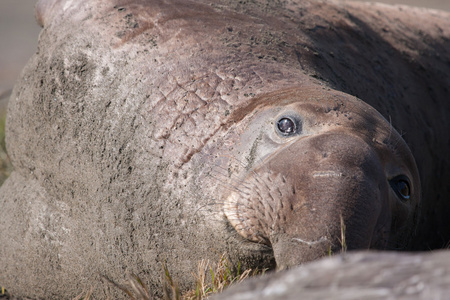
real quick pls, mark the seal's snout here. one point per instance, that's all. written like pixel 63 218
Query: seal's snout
pixel 298 200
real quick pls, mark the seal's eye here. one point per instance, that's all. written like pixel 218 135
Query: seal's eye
pixel 400 185
pixel 286 126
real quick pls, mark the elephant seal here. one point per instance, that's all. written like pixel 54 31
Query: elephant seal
pixel 152 131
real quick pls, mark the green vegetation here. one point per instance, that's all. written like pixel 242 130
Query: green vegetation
pixel 5 163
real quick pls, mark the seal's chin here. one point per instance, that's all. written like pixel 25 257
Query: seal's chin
pixel 290 252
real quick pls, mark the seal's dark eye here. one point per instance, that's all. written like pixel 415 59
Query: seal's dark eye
pixel 400 185
pixel 286 126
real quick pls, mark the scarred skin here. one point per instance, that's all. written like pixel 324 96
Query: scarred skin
pixel 148 131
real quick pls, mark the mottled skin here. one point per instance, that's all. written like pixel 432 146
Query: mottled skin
pixel 144 131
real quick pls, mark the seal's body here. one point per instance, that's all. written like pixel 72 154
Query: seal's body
pixel 144 131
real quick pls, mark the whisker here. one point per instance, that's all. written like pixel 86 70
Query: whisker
pixel 233 187
pixel 232 158
pixel 233 180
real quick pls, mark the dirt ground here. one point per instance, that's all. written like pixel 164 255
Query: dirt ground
pixel 19 33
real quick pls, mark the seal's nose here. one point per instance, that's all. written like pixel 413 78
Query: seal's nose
pixel 297 201
pixel 337 179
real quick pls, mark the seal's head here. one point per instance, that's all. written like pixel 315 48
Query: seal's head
pixel 318 170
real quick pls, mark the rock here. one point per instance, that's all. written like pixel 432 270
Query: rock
pixel 362 275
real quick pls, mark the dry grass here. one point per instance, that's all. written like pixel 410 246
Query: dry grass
pixel 343 242
pixel 210 279
pixel 85 295
pixel 5 162
pixel 220 277
pixel 134 288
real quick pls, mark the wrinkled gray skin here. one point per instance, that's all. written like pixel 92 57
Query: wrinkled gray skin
pixel 145 131
pixel 362 275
